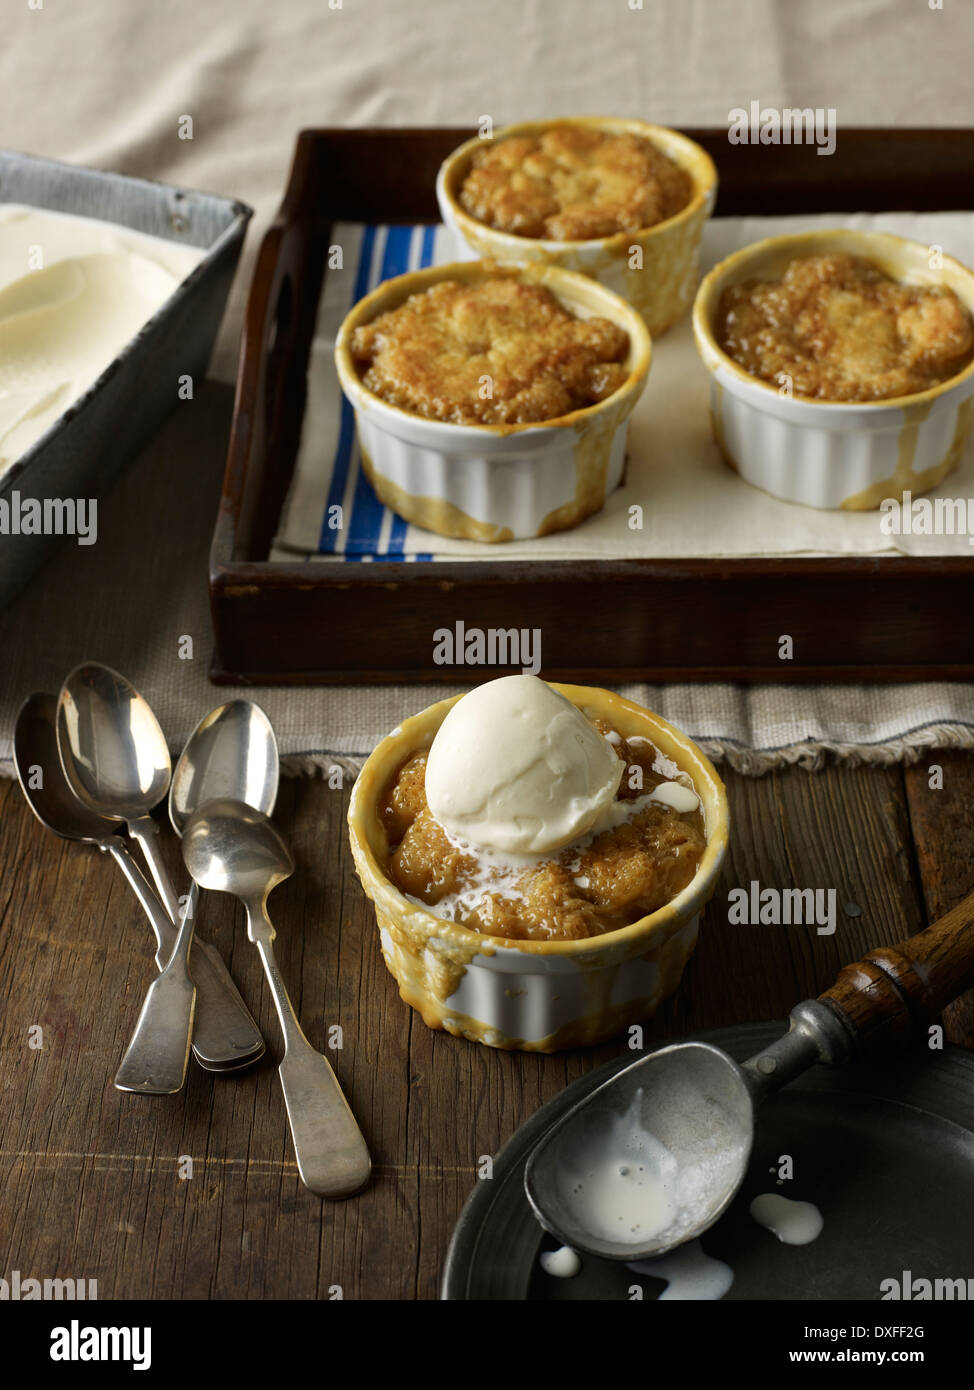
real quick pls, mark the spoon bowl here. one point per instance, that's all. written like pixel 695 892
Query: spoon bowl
pixel 232 753
pixel 42 781
pixel 650 1159
pixel 229 847
pixel 113 752
pixel 116 759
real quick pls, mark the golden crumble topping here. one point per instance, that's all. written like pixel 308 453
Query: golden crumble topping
pixel 493 352
pixel 573 183
pixel 842 330
pixel 597 885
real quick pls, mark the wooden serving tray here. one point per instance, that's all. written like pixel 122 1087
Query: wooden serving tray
pixel 850 618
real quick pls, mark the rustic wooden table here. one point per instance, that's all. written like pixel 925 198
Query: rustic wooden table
pixel 95 1182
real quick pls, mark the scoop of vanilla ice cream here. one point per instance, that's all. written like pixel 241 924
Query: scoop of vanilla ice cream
pixel 516 767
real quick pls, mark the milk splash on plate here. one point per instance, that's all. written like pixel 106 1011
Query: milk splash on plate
pixel 562 1263
pixel 794 1223
pixel 690 1274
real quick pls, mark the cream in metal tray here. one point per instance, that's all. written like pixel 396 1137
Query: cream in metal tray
pixel 73 292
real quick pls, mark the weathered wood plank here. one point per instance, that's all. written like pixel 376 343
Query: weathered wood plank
pixel 91 1176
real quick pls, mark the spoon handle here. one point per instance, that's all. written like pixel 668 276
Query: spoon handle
pixel 156 1059
pixel 146 834
pixel 224 1031
pixel 899 990
pixel 162 927
pixel 333 1159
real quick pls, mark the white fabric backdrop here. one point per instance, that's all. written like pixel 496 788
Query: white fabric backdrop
pixel 106 82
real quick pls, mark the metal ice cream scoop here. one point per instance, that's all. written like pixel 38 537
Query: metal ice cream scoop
pixel 652 1158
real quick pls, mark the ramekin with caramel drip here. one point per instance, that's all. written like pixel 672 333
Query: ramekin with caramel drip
pixel 570 974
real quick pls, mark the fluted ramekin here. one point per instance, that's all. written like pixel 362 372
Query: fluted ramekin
pixel 496 482
pixel 660 281
pixel 538 996
pixel 834 454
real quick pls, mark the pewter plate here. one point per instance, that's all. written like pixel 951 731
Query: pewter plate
pixel 885 1151
pixel 100 433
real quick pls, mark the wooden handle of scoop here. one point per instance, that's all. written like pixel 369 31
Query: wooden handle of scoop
pixel 896 991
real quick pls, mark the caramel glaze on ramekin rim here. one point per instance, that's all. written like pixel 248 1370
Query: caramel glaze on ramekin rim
pixel 848 455
pixel 663 289
pixel 430 956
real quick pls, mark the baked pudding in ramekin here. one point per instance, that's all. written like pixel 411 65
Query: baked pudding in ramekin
pixel 566 974
pixel 452 372
pixel 856 451
pixel 647 246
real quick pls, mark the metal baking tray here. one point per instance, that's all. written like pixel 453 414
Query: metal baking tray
pixel 855 618
pixel 89 445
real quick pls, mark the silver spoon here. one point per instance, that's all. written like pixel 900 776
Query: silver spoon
pixel 116 760
pixel 231 752
pixel 230 848
pixel 225 1035
pixel 668 1139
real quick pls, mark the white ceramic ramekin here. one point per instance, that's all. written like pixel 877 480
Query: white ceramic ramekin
pixel 535 995
pixel 834 455
pixel 496 482
pixel 660 280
